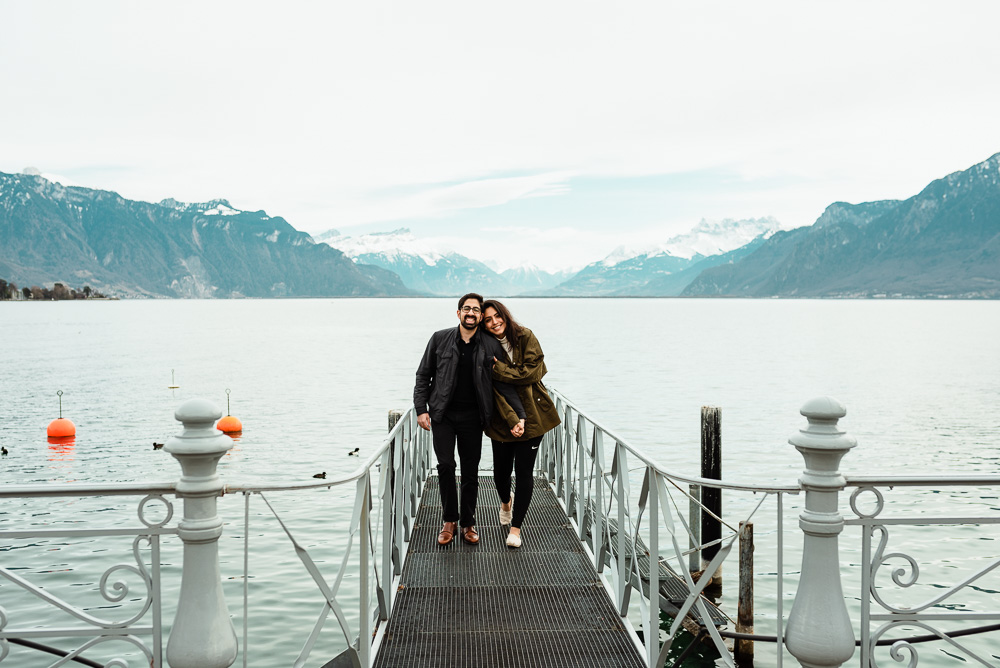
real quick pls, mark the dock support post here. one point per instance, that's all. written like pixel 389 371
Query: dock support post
pixel 744 611
pixel 711 467
pixel 202 635
pixel 819 632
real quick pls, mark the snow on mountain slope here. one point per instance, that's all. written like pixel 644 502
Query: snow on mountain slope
pixel 390 245
pixel 707 238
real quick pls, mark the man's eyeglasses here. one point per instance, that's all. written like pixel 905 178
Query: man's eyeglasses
pixel 471 309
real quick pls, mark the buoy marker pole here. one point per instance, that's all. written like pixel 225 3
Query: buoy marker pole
pixel 61 427
pixel 229 424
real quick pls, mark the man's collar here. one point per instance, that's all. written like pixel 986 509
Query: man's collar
pixel 473 339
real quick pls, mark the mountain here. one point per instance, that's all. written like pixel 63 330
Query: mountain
pixel 49 233
pixel 527 279
pixel 420 266
pixel 942 242
pixel 673 284
pixel 665 269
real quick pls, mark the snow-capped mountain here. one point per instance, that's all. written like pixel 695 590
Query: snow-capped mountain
pixel 528 278
pixel 421 266
pixel 215 207
pixel 707 238
pixel 636 271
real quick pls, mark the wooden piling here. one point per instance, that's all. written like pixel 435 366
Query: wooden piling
pixel 711 498
pixel 744 611
pixel 394 418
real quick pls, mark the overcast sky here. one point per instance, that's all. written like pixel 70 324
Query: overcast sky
pixel 546 132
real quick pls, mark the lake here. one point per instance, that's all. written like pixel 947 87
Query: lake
pixel 313 379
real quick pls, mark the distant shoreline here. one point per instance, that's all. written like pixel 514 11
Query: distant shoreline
pixel 942 298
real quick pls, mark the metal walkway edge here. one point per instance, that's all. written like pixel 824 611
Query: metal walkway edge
pixel 483 606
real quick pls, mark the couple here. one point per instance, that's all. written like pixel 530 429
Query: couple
pixel 470 381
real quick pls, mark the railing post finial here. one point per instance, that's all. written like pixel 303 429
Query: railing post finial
pixel 202 635
pixel 819 632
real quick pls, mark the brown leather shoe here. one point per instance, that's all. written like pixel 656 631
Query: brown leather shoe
pixel 469 535
pixel 447 533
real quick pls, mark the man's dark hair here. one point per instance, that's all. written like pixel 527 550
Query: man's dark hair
pixel 513 330
pixel 471 295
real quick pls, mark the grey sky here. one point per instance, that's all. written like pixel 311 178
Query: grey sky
pixel 580 125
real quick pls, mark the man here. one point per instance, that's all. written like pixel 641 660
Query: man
pixel 454 392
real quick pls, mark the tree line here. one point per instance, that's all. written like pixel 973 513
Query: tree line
pixel 57 292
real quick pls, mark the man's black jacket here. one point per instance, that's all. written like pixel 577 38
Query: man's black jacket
pixel 438 369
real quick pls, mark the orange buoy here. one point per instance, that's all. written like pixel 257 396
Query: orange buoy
pixel 61 427
pixel 229 424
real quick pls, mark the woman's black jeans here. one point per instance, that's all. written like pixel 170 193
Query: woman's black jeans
pixel 519 457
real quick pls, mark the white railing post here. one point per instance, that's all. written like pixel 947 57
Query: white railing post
pixel 819 632
pixel 203 635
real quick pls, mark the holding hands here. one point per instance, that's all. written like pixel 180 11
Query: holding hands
pixel 518 430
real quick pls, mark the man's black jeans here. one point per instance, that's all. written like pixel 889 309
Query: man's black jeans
pixel 466 429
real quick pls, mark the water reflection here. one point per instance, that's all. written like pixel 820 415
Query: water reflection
pixel 61 448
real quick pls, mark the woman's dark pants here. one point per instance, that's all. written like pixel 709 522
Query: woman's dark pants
pixel 519 457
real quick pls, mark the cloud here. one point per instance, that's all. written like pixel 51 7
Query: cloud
pixel 435 200
pixel 335 114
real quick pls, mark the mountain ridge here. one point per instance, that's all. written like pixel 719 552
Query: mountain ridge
pixel 56 233
pixel 942 242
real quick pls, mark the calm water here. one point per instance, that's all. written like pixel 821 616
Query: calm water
pixel 313 379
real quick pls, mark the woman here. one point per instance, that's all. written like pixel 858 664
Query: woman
pixel 523 368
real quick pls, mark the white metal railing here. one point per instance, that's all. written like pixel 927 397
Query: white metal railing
pixel 884 587
pixel 98 628
pixel 629 533
pixel 202 634
pixel 819 631
pixel 609 518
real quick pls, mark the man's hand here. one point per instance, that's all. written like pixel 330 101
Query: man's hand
pixel 424 420
pixel 517 430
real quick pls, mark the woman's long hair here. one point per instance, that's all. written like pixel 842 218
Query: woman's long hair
pixel 513 330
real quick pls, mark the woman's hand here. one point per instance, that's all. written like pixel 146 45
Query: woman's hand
pixel 518 430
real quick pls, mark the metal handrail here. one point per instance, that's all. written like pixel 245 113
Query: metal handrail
pixel 664 471
pixel 401 465
pixel 922 481
pixel 589 491
pixel 576 463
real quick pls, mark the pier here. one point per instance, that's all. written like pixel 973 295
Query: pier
pixel 610 541
pixel 488 605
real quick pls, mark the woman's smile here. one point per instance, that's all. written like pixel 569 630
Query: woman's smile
pixel 494 323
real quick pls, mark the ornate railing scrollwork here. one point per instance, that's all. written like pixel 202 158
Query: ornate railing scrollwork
pixel 117 662
pixel 912 652
pixel 131 583
pixel 159 524
pixel 879 502
pixel 882 567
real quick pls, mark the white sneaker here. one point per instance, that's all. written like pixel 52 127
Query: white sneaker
pixel 514 540
pixel 507 515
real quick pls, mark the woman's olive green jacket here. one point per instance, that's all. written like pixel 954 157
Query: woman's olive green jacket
pixel 525 373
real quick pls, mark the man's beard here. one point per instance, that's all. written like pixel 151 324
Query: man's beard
pixel 465 323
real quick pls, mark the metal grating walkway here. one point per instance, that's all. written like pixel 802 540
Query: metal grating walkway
pixel 488 606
